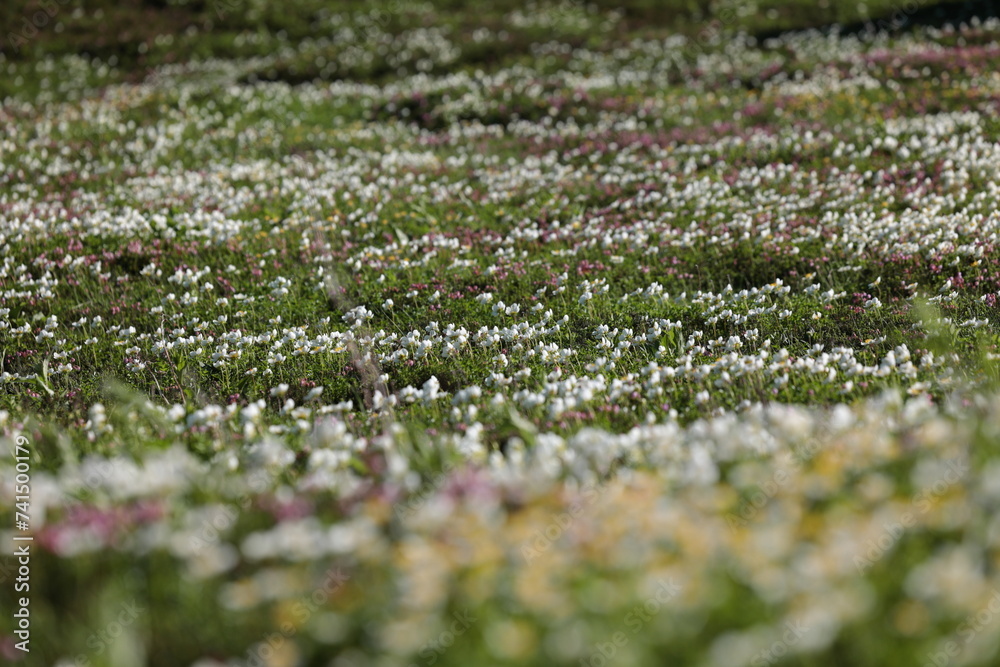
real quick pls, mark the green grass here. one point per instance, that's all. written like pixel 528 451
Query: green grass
pixel 715 256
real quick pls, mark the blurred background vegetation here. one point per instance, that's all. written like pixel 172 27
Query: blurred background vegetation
pixel 136 35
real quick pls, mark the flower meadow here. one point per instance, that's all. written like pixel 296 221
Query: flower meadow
pixel 543 335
